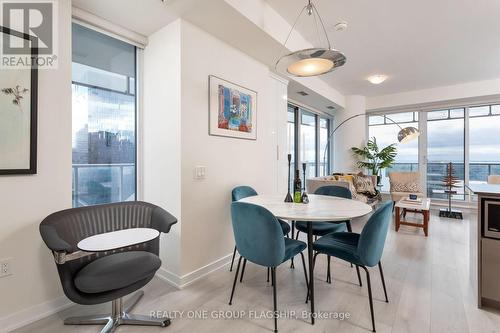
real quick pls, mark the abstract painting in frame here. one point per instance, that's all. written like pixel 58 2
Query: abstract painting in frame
pixel 18 112
pixel 233 110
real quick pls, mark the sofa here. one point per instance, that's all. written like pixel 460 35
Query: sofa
pixel 403 184
pixel 344 180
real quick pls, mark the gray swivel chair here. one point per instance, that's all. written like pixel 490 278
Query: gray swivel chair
pixel 93 278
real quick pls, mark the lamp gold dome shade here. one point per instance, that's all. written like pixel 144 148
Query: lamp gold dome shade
pixel 407 134
pixel 312 61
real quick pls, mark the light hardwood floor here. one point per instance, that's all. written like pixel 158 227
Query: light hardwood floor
pixel 427 281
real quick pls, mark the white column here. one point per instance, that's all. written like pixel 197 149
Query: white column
pixel 350 134
pixel 279 99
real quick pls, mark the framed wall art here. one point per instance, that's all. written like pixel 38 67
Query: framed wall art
pixel 233 110
pixel 18 111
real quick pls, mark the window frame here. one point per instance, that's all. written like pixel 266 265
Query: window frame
pixel 298 111
pixel 137 103
pixel 423 120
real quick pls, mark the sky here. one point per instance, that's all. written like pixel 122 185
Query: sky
pixel 446 140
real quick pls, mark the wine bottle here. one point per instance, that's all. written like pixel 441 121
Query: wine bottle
pixel 304 199
pixel 297 187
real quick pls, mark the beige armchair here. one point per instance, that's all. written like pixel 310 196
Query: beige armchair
pixel 494 179
pixel 403 184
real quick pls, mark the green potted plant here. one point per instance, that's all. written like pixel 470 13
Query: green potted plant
pixel 375 159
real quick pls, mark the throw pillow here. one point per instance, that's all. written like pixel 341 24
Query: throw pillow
pixel 405 187
pixel 346 178
pixel 363 184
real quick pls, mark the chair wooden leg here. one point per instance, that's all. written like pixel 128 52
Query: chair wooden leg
pixel 243 270
pixel 383 281
pixel 273 277
pixel 370 297
pixel 268 269
pixel 359 276
pixel 232 260
pixel 235 279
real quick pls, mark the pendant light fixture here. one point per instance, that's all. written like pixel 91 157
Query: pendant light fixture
pixel 312 61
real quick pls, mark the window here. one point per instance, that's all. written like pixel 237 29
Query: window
pixel 445 144
pixel 324 160
pixel 104 118
pixel 384 129
pixel 474 153
pixel 307 141
pixel 484 143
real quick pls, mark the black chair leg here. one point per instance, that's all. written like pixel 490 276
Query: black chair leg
pixel 268 274
pixel 349 229
pixel 293 231
pixel 232 260
pixel 349 226
pixel 235 279
pixel 305 274
pixel 243 270
pixel 383 281
pixel 328 275
pixel 359 276
pixel 273 277
pixel 314 264
pixel 370 297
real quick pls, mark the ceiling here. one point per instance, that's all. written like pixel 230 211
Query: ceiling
pixel 141 16
pixel 418 44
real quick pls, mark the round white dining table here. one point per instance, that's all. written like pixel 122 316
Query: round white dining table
pixel 320 208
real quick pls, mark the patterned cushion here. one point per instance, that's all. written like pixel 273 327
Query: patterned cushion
pixel 405 187
pixel 363 184
pixel 346 178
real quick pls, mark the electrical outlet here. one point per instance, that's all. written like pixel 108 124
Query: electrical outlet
pixel 5 267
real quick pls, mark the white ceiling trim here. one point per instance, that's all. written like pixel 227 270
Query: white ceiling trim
pixel 99 24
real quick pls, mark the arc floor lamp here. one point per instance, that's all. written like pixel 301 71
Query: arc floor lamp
pixel 405 134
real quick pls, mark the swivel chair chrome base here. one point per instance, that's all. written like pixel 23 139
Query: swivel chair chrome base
pixel 119 316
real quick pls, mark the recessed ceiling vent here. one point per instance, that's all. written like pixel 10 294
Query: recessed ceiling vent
pixel 303 93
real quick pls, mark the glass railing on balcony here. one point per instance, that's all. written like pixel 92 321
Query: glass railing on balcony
pixel 95 184
pixel 478 173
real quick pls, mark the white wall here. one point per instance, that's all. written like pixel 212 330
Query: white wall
pixel 206 225
pixel 26 200
pixel 438 94
pixel 161 133
pixel 350 134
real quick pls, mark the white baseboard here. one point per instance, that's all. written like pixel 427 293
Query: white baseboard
pixel 33 313
pixel 183 281
pixel 40 311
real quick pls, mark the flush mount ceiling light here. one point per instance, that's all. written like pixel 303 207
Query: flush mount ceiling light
pixel 377 79
pixel 312 61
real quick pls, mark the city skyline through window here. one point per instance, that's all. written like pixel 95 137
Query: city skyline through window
pixel 104 119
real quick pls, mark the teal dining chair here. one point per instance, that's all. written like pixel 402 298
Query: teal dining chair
pixel 259 239
pixel 324 228
pixel 241 192
pixel 364 249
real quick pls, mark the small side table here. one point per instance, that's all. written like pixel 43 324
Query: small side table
pixel 117 239
pixel 422 208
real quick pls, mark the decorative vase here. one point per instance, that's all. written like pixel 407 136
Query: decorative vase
pixel 288 197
